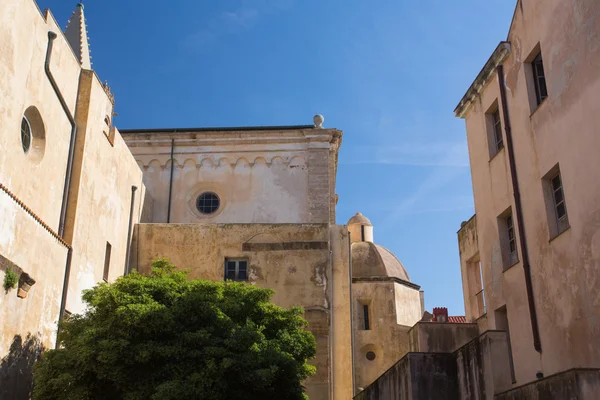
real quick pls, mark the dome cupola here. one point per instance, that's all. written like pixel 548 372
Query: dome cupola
pixel 360 228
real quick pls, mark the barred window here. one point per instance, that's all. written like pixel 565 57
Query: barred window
pixel 208 203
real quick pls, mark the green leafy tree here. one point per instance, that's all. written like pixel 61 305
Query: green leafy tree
pixel 166 337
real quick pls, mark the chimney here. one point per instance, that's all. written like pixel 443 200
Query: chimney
pixel 440 314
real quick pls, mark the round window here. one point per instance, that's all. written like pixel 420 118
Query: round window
pixel 25 135
pixel 370 356
pixel 208 203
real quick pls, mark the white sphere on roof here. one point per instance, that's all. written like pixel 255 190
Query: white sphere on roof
pixel 318 120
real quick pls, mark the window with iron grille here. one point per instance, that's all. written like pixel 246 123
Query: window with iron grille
pixel 236 270
pixel 208 203
pixel 539 79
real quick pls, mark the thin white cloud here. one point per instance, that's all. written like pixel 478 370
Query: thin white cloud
pixel 438 178
pixel 242 19
pixel 447 154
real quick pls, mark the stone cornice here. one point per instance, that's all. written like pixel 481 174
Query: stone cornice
pixel 488 70
pixel 230 137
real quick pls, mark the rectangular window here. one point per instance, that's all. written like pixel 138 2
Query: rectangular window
pixel 494 129
pixel 106 262
pixel 539 78
pixel 236 270
pixel 560 208
pixel 512 240
pixel 497 130
pixel 366 317
pixel 556 206
pixel 508 239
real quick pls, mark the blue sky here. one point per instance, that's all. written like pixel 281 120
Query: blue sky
pixel 388 73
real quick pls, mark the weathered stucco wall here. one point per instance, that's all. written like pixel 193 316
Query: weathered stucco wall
pixel 27 325
pixel 438 337
pixel 33 186
pixel 104 172
pixel 579 384
pixel 388 302
pixel 341 317
pixel 37 178
pixel 260 175
pixel 292 259
pixel 562 131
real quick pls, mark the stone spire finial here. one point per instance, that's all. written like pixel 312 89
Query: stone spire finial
pixel 76 34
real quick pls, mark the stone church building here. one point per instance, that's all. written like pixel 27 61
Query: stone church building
pixel 82 202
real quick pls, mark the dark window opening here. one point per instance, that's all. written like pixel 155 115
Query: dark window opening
pixel 497 130
pixel 25 135
pixel 107 262
pixel 362 233
pixel 370 356
pixel 366 317
pixel 236 270
pixel 560 207
pixel 539 79
pixel 208 203
pixel 512 240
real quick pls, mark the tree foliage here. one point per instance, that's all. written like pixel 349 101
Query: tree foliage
pixel 166 337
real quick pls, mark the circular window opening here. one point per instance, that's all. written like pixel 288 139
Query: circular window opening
pixel 208 203
pixel 370 356
pixel 33 134
pixel 25 134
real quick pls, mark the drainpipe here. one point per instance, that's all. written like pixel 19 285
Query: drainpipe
pixel 63 298
pixel 171 179
pixel 63 103
pixel 128 251
pixel 519 213
pixel 68 174
pixel 351 314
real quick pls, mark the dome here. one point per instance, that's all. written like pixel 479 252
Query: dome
pixel 360 220
pixel 372 260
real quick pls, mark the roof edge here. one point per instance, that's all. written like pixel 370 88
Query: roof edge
pixel 385 279
pixel 223 129
pixel 498 56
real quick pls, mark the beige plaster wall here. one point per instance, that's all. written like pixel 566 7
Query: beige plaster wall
pixel 407 305
pixel 563 130
pixel 36 180
pixel 36 315
pixel 389 302
pixel 104 173
pixel 341 316
pixel 468 248
pixel 299 277
pixel 260 176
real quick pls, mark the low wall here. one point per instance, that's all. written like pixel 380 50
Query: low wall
pixel 575 384
pixel 436 337
pixel 416 376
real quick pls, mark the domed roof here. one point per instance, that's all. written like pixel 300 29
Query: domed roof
pixel 360 220
pixel 369 260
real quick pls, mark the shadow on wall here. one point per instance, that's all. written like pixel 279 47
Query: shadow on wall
pixel 16 368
